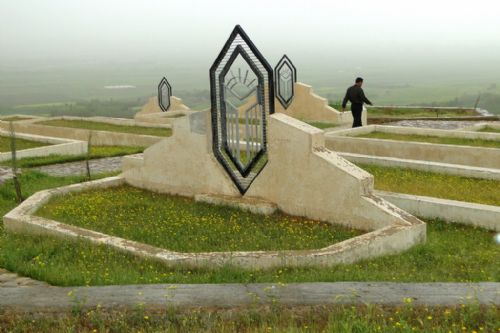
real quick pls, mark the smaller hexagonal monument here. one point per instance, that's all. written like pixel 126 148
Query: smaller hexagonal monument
pixel 285 76
pixel 164 94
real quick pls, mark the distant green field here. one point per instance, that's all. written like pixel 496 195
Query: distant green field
pixel 96 126
pixel 15 118
pixel 20 144
pixel 41 105
pixel 432 139
pixel 461 94
pixel 418 112
pixel 94 107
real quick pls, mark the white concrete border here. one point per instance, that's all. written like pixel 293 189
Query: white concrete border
pixel 446 168
pixel 484 216
pixel 56 146
pixel 105 138
pixel 480 126
pixel 346 141
pixel 386 240
pixel 113 121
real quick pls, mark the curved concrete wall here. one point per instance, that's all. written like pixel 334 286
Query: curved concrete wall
pixel 346 141
pixel 56 147
pixel 104 138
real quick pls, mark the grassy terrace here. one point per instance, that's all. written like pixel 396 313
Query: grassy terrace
pixel 432 139
pixel 452 253
pixel 95 152
pixel 483 191
pixel 418 112
pixel 490 129
pixel 97 126
pixel 20 144
pixel 180 224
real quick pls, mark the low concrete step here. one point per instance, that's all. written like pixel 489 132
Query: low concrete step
pixel 252 204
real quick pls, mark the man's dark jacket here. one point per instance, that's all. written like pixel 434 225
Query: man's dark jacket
pixel 356 95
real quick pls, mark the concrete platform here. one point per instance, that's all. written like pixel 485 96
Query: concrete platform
pixel 35 298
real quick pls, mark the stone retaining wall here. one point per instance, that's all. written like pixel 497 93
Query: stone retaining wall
pixel 56 146
pixel 346 141
pixel 104 138
pixel 484 216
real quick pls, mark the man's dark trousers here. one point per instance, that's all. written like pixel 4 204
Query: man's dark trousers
pixel 357 110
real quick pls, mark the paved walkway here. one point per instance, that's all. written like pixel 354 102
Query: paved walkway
pixel 5 174
pixel 101 165
pixel 25 295
pixel 439 124
pixel 9 280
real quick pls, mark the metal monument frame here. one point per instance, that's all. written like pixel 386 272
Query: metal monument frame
pixel 257 102
pixel 285 81
pixel 164 104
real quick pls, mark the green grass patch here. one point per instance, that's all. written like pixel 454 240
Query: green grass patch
pixel 99 126
pixel 95 152
pixel 322 125
pixel 259 319
pixel 438 185
pixel 452 253
pixel 490 129
pixel 418 112
pixel 20 144
pixel 432 139
pixel 31 182
pixel 181 224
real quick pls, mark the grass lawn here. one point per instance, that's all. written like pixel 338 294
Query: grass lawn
pixel 490 129
pixel 432 139
pixel 322 125
pixel 97 126
pixel 483 191
pixel 418 112
pixel 181 224
pixel 95 152
pixel 257 319
pixel 20 144
pixel 452 253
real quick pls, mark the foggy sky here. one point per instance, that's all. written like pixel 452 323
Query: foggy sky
pixel 126 30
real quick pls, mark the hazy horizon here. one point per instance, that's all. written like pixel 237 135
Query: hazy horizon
pixel 390 43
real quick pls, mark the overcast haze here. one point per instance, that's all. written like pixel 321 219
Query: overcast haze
pixel 140 29
pixel 386 40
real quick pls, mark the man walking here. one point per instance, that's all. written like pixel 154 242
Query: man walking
pixel 357 97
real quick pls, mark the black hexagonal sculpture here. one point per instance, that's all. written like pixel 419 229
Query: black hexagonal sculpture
pixel 164 94
pixel 285 76
pixel 242 95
